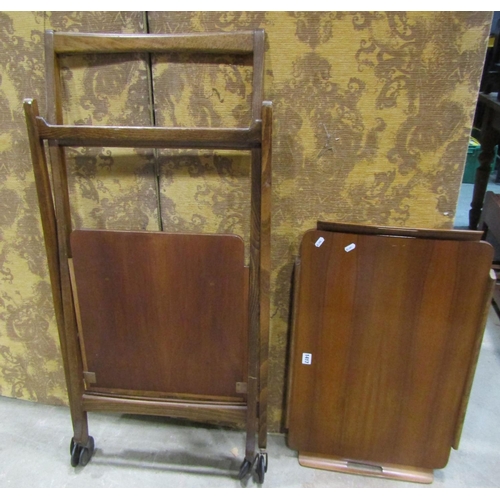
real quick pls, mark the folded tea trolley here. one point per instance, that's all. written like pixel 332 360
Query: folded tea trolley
pixel 151 322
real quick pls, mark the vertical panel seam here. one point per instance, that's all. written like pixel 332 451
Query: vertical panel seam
pixel 149 64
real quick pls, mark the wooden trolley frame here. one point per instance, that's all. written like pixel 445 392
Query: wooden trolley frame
pixel 53 197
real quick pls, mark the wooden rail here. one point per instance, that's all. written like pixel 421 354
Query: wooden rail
pixel 228 413
pixel 223 43
pixel 151 137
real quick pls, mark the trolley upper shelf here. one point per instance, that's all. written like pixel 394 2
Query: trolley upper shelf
pixel 151 137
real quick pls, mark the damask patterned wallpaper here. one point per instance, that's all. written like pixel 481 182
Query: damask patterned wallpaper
pixel 372 117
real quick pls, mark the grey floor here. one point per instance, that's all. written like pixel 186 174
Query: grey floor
pixel 137 451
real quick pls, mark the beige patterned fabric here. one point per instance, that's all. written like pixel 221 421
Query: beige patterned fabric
pixel 372 113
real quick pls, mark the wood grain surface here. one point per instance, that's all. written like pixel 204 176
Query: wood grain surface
pixel 162 312
pixel 150 137
pixel 226 43
pixel 392 326
pixel 431 234
pixel 220 413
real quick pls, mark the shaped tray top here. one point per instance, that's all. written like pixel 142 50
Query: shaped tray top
pixel 386 336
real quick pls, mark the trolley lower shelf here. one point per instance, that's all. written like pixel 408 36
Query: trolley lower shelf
pixel 161 312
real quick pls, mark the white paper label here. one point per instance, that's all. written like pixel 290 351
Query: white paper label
pixel 306 358
pixel 319 241
pixel 350 247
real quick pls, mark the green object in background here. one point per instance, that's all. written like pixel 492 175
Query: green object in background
pixel 473 161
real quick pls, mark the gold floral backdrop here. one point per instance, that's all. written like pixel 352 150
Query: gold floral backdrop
pixel 372 114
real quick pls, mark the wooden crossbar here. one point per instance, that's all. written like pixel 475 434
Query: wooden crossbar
pixel 151 137
pixel 223 43
pixel 229 413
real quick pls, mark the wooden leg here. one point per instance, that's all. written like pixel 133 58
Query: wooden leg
pixel 488 142
pixel 265 269
pixel 61 295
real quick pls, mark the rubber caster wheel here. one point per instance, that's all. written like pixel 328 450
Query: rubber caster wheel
pixel 75 454
pixel 244 469
pixel 87 452
pixel 261 468
pixel 81 455
pixel 85 457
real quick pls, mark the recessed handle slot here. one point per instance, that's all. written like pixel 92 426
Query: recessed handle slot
pixel 373 469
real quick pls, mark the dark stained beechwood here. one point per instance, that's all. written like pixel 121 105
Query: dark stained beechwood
pixel 150 322
pixel 391 328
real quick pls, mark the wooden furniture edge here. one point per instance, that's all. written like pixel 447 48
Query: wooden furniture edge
pixel 386 471
pixel 291 349
pixel 442 234
pixel 150 137
pixel 488 295
pixel 213 412
pixel 96 390
pixel 231 43
pixel 254 422
pixel 77 313
pixel 265 268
